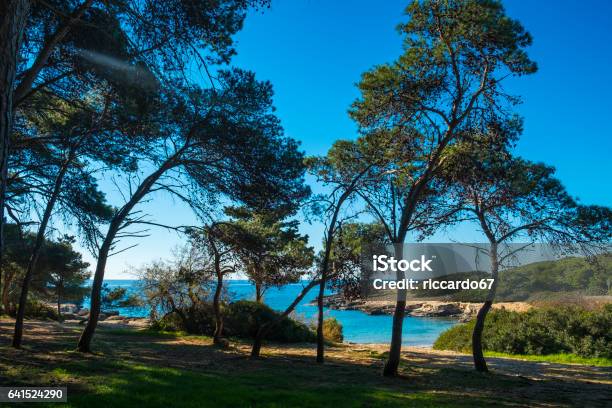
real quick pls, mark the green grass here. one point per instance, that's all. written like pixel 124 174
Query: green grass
pixel 562 358
pixel 136 385
pixel 144 368
pixel 152 333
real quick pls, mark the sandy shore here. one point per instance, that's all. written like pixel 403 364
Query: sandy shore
pixel 420 307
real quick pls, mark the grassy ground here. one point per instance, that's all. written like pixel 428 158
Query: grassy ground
pixel 562 358
pixel 141 368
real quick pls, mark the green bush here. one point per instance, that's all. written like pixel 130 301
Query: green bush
pixel 200 319
pixel 332 330
pixel 587 333
pixel 244 317
pixel 240 319
pixel 197 319
pixel 170 322
pixel 40 311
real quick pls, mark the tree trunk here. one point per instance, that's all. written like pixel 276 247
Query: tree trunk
pixel 13 18
pixel 479 361
pixel 320 337
pixel 324 275
pixel 329 240
pixel 217 310
pixel 59 298
pixel 392 364
pixel 24 88
pixel 255 351
pixel 258 292
pixel 265 329
pixel 218 290
pixel 84 344
pixel 40 239
pixel 8 279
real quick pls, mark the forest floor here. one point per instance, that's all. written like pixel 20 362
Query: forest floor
pixel 136 367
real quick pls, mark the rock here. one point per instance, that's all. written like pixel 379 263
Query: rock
pixel 83 312
pixel 111 312
pixel 413 306
pixel 451 309
pixel 102 316
pixel 68 308
pixel 380 310
pixel 115 318
pixel 471 308
pixel 465 318
pixel 424 308
pixel 223 343
pixel 72 321
pixel 437 310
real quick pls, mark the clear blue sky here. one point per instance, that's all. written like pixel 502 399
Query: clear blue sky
pixel 314 51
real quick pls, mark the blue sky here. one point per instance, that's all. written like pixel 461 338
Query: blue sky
pixel 314 51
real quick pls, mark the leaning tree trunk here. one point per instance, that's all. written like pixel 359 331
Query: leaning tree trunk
pixel 392 364
pixel 479 361
pixel 266 328
pixel 13 18
pixel 40 238
pixel 320 322
pixel 84 344
pixel 324 276
pixel 329 240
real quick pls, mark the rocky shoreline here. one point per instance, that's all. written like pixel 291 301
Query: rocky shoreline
pixel 72 313
pixel 463 311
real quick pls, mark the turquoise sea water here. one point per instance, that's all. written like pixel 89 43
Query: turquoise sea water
pixel 358 327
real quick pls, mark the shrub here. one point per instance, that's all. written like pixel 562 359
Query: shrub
pixel 40 311
pixel 458 338
pixel 169 322
pixel 240 319
pixel 197 319
pixel 244 317
pixel 587 333
pixel 332 330
pixel 200 319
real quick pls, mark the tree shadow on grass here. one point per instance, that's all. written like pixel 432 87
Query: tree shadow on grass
pixel 147 369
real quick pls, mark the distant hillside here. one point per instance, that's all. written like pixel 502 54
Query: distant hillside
pixel 538 281
pixel 570 274
pixel 533 282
